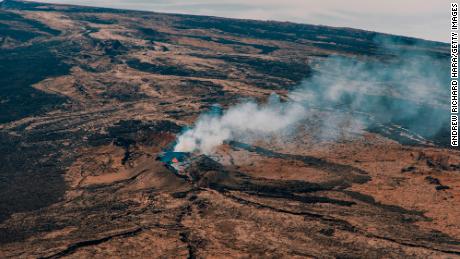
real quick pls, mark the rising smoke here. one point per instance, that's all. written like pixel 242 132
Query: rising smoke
pixel 242 120
pixel 404 89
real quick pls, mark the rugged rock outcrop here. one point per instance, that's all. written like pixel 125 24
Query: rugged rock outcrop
pixel 89 97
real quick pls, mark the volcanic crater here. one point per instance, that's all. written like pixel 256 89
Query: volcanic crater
pixel 92 99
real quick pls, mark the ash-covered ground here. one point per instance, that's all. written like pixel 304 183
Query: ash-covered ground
pixel 90 98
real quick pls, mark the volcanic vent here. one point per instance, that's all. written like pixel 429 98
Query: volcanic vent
pixel 176 161
pixel 91 97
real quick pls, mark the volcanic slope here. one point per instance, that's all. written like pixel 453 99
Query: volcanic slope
pixel 91 96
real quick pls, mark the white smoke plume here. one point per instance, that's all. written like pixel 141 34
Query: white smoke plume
pixel 405 89
pixel 241 120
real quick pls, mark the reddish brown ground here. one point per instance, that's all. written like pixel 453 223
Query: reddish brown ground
pixel 79 176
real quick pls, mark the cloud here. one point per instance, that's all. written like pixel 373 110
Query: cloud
pixel 245 120
pixel 362 94
pixel 428 19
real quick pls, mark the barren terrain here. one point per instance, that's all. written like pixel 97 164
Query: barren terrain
pixel 89 98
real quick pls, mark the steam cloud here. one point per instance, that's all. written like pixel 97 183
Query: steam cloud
pixel 404 90
pixel 238 121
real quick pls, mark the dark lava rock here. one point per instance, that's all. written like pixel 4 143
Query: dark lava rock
pixel 408 169
pixel 442 187
pixel 432 180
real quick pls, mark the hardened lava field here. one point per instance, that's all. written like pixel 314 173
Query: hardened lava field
pixel 90 98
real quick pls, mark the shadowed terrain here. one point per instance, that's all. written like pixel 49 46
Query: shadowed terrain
pixel 90 97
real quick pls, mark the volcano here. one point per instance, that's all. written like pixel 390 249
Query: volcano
pixel 175 160
pixel 93 100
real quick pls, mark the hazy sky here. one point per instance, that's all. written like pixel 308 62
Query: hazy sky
pixel 427 19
